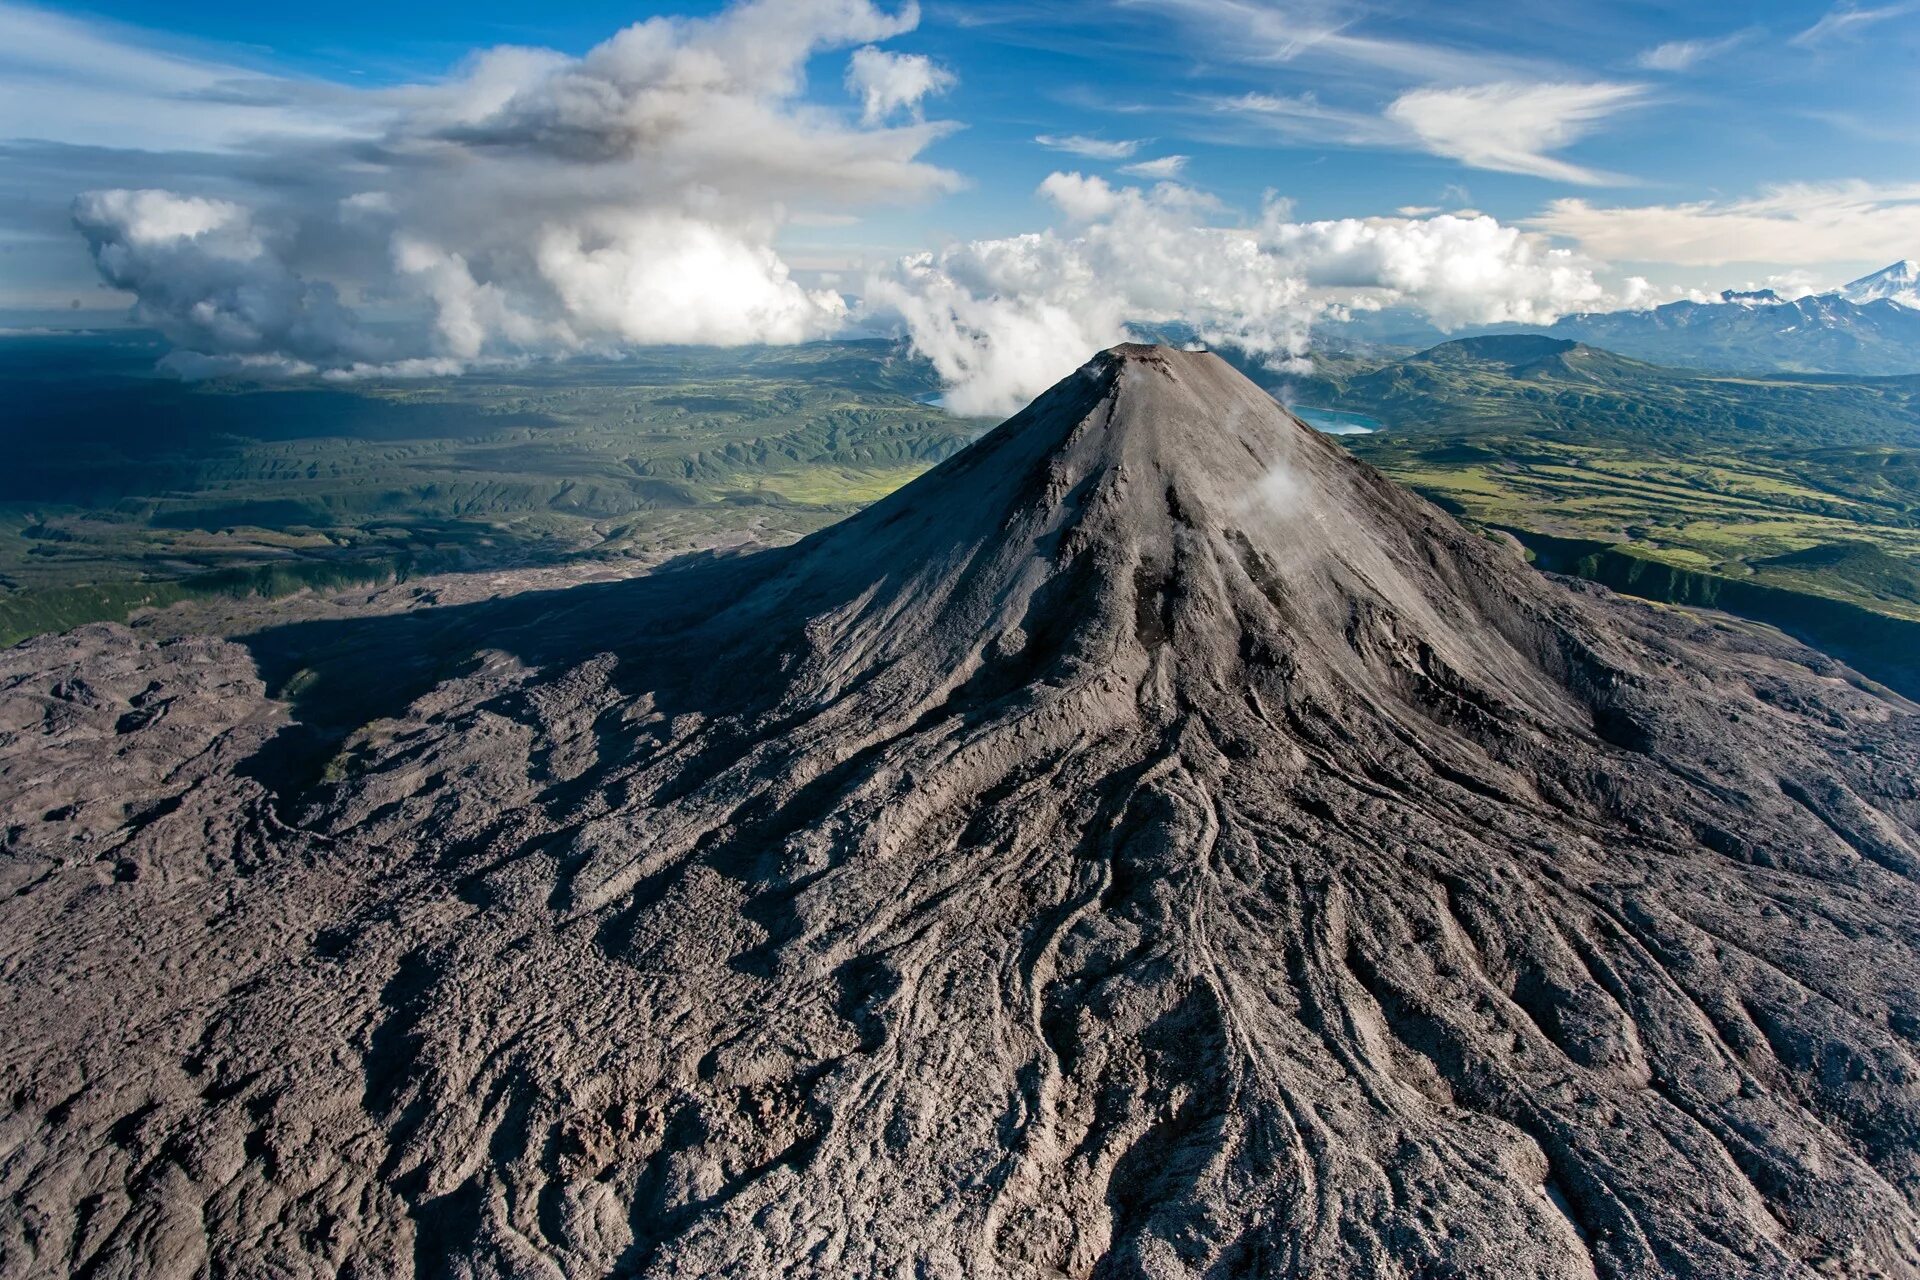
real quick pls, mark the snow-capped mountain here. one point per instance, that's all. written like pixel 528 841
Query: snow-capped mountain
pixel 1899 283
pixel 1760 331
pixel 1870 328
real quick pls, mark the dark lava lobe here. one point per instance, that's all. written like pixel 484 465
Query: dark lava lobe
pixel 1149 845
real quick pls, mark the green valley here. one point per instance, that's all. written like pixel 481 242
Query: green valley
pixel 1793 499
pixel 129 490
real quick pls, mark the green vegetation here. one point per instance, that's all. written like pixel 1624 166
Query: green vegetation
pixel 127 491
pixel 1791 500
pixel 1529 384
pixel 1845 526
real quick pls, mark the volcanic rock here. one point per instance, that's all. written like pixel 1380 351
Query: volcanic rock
pixel 1149 845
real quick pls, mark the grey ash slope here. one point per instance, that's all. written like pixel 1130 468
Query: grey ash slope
pixel 1151 844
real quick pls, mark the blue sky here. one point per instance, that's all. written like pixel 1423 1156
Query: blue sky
pixel 1691 147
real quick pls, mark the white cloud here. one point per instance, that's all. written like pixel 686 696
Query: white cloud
pixel 889 82
pixel 1286 31
pixel 144 219
pixel 1082 198
pixel 1090 148
pixel 666 277
pixel 1795 283
pixel 209 279
pixel 1003 319
pixel 1304 118
pixel 65 79
pixel 1683 55
pixel 1160 167
pixel 538 203
pixel 468 315
pixel 1458 269
pixel 1846 222
pixel 1847 20
pixel 1511 127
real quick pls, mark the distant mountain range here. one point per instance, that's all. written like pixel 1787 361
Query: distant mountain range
pixel 1871 327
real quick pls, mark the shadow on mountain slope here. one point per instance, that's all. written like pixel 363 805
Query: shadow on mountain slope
pixel 337 675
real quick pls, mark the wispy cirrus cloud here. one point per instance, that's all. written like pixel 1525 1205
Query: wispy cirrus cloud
pixel 1091 148
pixel 1514 127
pixel 1846 20
pixel 88 83
pixel 1508 126
pixel 1304 117
pixel 1684 55
pixel 1162 167
pixel 1485 107
pixel 1901 129
pixel 1330 31
pixel 1802 223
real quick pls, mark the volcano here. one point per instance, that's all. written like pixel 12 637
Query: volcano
pixel 1151 844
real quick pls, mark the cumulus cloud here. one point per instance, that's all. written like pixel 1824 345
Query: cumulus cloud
pixel 1511 127
pixel 1458 269
pixel 1003 319
pixel 1796 283
pixel 538 203
pixel 209 279
pixel 1844 222
pixel 890 82
pixel 1090 148
pixel 692 281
